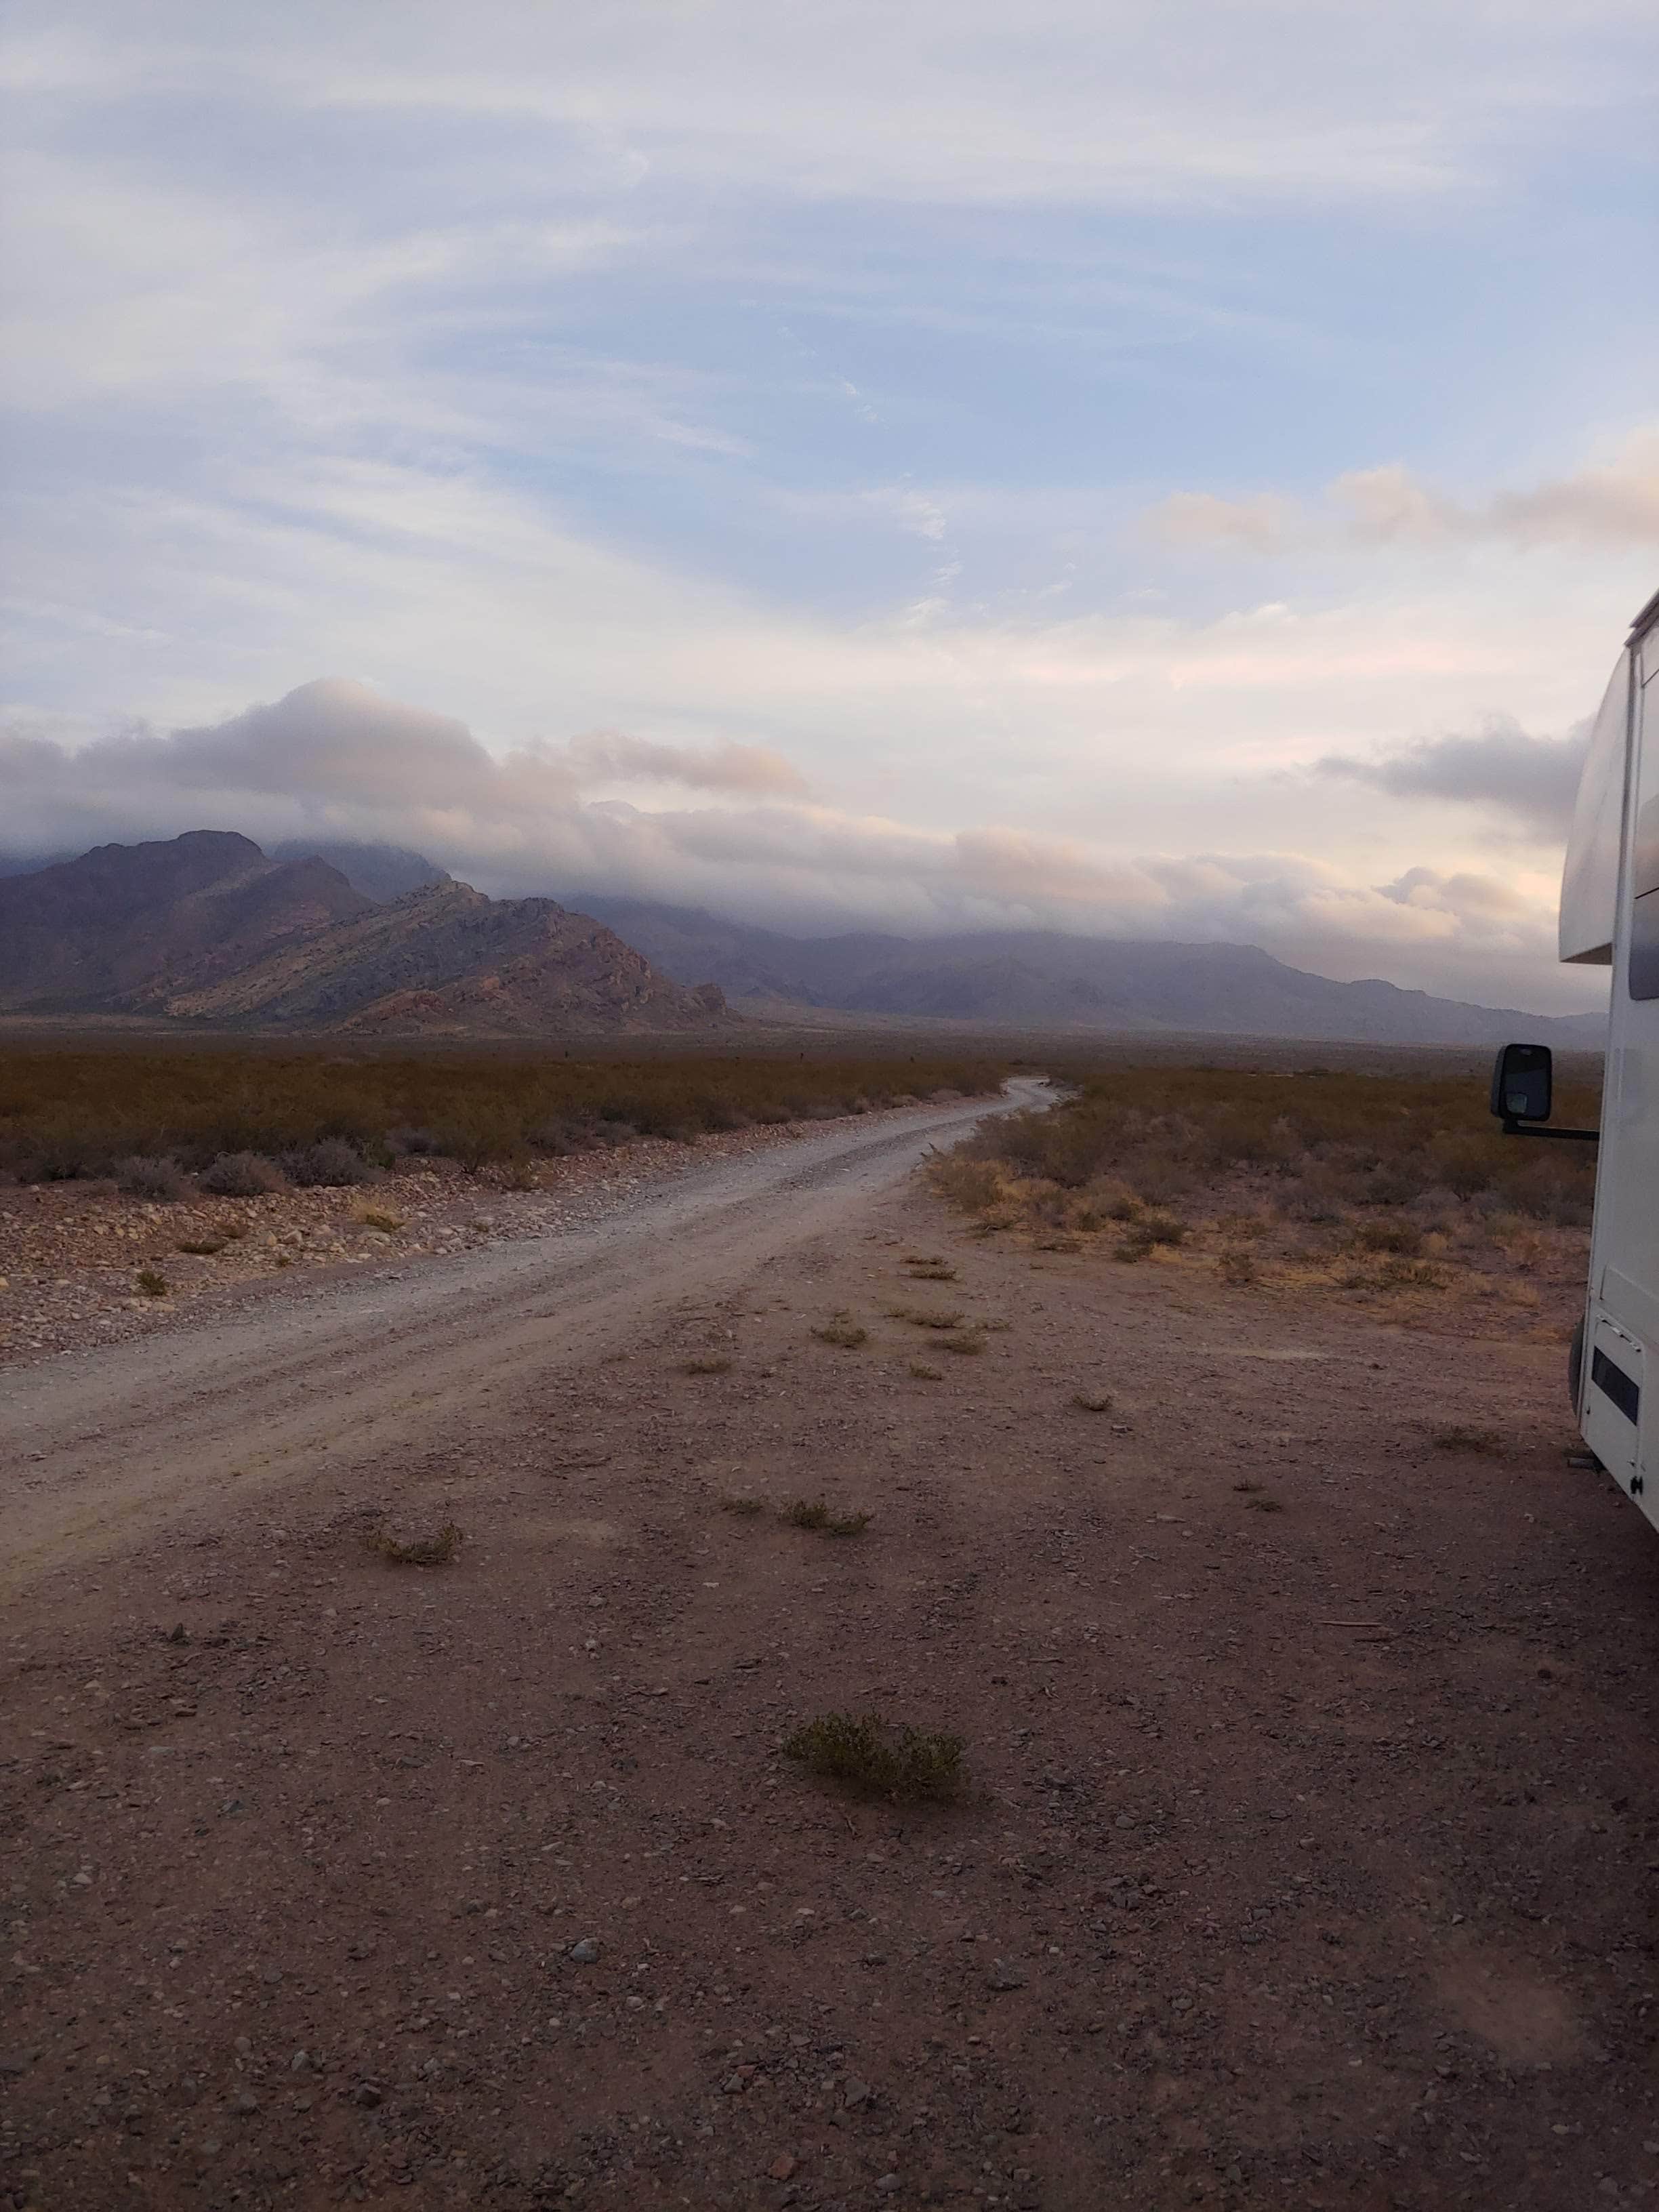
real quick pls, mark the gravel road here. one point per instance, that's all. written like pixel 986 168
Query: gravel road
pixel 116 1440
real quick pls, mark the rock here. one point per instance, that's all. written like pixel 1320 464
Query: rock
pixel 888 2184
pixel 301 2063
pixel 1002 1976
pixel 585 1953
pixel 244 2103
pixel 368 2096
pixel 858 2093
pixel 781 2167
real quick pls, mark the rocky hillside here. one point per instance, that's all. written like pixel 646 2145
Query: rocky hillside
pixel 206 928
pixel 449 960
pixel 88 934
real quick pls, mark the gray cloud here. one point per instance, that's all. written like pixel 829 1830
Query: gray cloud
pixel 1503 767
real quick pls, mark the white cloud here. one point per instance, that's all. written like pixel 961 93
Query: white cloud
pixel 1073 101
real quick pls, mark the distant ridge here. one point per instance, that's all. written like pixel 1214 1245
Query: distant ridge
pixel 1043 979
pixel 207 928
pixel 379 872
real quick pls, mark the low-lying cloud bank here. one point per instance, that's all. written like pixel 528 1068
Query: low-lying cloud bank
pixel 337 760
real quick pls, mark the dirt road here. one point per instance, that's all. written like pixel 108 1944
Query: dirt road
pixel 1307 1691
pixel 103 1448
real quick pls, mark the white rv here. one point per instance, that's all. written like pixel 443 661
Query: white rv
pixel 1610 918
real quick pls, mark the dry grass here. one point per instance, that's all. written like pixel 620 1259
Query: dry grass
pixel 379 1217
pixel 419 1552
pixel 1461 1439
pixel 861 1753
pixel 1092 1401
pixel 967 1343
pixel 927 1270
pixel 1393 1190
pixel 924 1373
pixel 710 1363
pixel 201 1248
pixel 846 1335
pixel 152 1284
pixel 927 1317
pixel 175 1109
pixel 814 1514
pixel 745 1507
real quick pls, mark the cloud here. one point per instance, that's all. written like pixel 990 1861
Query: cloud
pixel 1615 504
pixel 941 101
pixel 1265 523
pixel 338 759
pixel 1503 767
pixel 611 755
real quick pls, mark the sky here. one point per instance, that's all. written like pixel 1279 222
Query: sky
pixel 1174 468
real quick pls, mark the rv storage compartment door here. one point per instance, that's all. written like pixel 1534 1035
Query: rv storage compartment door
pixel 1612 1400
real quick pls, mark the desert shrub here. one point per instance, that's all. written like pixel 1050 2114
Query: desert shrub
pixel 859 1753
pixel 1463 1163
pixel 73 1113
pixel 413 1144
pixel 242 1174
pixel 814 1513
pixel 970 1183
pixel 846 1335
pixel 1320 1145
pixel 379 1217
pixel 419 1551
pixel 152 1284
pixel 1401 1236
pixel 331 1163
pixel 152 1178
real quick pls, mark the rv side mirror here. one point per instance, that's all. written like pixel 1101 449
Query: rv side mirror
pixel 1522 1080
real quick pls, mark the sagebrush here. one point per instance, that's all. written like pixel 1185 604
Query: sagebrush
pixel 333 1118
pixel 1394 1186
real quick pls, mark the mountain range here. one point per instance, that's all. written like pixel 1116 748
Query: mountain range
pixel 1044 980
pixel 372 939
pixel 208 928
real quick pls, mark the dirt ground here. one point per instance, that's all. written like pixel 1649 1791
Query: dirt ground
pixel 1306 1859
pixel 71 1253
